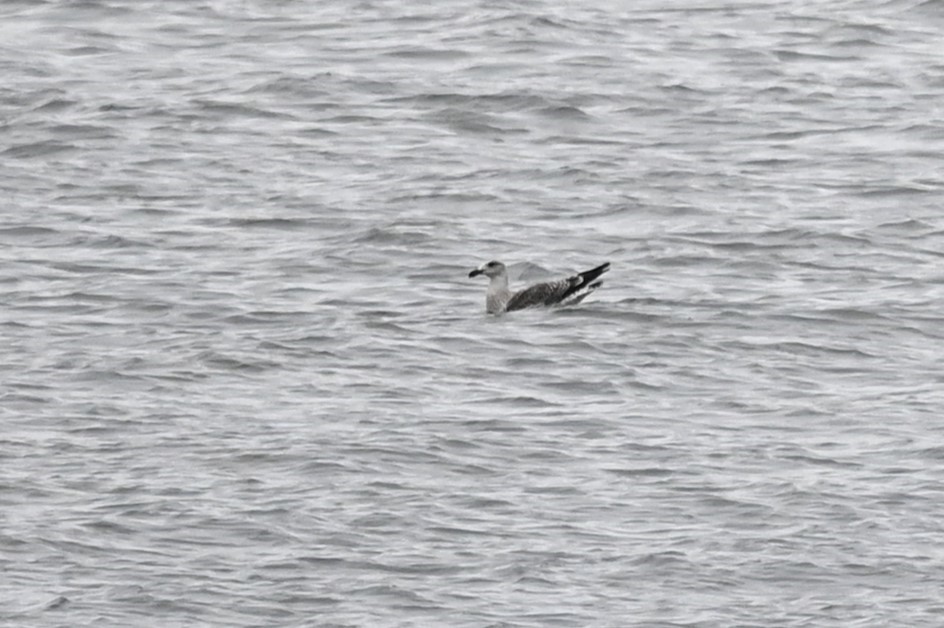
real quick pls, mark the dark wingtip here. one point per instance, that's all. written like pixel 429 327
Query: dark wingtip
pixel 593 273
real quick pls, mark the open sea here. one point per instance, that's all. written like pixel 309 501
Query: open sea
pixel 246 381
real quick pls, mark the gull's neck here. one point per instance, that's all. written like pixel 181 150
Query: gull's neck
pixel 498 294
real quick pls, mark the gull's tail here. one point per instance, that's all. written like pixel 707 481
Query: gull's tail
pixel 582 284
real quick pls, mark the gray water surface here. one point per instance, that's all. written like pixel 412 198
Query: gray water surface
pixel 246 380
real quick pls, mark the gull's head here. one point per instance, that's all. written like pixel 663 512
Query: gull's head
pixel 489 269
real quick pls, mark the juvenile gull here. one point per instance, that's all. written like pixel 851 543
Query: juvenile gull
pixel 570 291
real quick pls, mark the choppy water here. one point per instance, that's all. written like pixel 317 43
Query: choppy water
pixel 246 381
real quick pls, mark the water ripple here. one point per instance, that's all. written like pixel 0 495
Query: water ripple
pixel 244 360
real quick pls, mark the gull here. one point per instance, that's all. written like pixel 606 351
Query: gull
pixel 569 291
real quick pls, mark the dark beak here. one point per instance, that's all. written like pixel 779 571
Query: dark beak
pixel 475 272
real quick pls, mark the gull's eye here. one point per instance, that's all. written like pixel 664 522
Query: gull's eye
pixel 491 264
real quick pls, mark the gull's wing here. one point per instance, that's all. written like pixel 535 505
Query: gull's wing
pixel 562 292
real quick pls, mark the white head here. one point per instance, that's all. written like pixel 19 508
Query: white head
pixel 489 269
